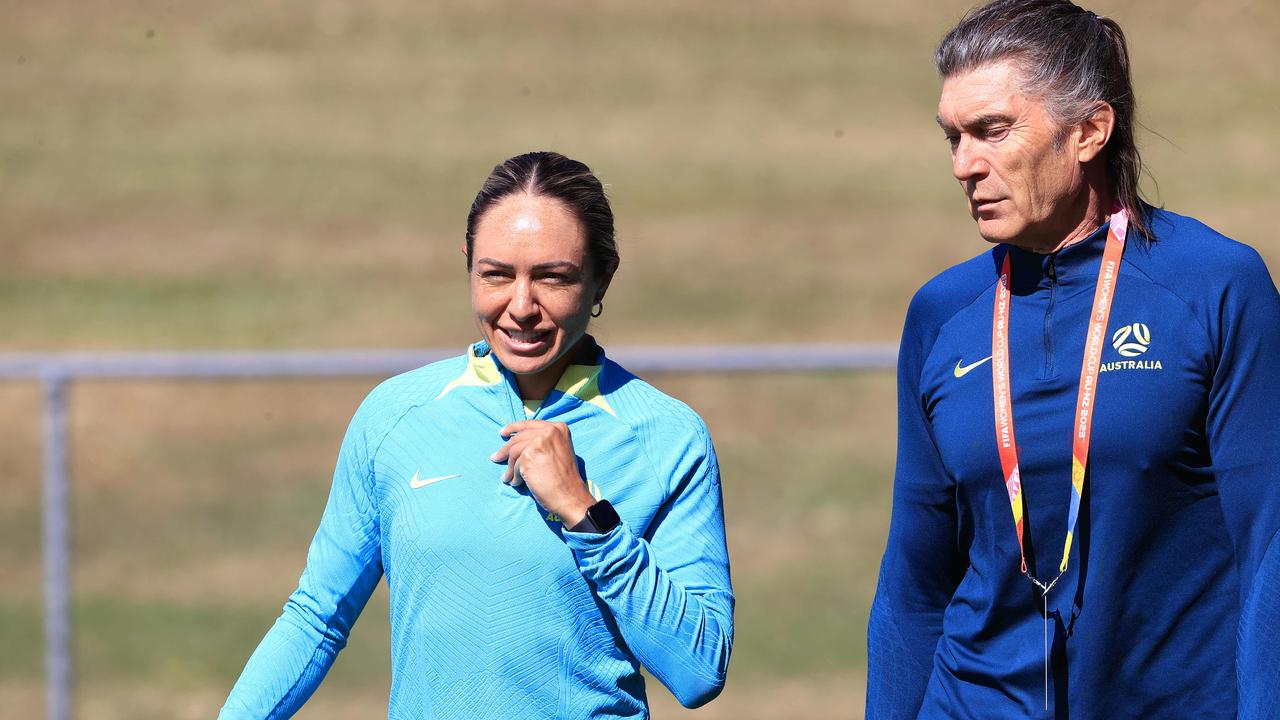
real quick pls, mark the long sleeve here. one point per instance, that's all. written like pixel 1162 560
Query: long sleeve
pixel 1245 451
pixel 922 563
pixel 343 567
pixel 669 592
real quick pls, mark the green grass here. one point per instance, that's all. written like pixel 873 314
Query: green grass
pixel 746 150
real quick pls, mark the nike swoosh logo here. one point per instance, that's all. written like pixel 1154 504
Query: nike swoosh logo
pixel 962 370
pixel 415 483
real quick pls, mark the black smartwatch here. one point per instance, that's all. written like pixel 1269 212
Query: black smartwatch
pixel 603 517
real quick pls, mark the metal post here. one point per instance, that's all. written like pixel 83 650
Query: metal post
pixel 57 549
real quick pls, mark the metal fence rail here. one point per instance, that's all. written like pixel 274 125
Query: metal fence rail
pixel 56 371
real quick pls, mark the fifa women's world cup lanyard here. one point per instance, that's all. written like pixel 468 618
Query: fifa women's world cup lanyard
pixel 1086 402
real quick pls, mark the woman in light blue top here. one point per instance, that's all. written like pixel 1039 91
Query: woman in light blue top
pixel 547 522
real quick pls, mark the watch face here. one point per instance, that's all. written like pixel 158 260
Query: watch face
pixel 603 516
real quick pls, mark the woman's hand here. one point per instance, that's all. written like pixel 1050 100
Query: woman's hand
pixel 540 454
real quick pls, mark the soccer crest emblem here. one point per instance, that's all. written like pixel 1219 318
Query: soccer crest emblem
pixel 1131 340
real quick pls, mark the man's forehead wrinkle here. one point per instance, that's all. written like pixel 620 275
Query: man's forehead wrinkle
pixel 990 119
pixel 985 107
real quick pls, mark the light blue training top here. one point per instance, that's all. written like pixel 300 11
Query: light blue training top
pixel 496 610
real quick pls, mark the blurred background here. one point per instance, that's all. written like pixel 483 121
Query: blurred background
pixel 296 175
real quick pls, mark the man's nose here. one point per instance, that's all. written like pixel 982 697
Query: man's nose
pixel 967 162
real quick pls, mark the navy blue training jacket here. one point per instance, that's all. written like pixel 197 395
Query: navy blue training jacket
pixel 1169 607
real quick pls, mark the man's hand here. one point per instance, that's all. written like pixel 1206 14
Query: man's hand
pixel 540 454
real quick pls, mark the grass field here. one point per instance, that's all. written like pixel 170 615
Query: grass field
pixel 296 175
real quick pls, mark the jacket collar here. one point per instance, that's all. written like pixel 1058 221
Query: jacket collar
pixel 578 384
pixel 1072 267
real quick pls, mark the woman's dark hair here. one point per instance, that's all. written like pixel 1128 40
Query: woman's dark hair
pixel 1070 58
pixel 552 175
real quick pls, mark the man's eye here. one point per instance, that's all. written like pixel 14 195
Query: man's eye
pixel 995 134
pixel 953 141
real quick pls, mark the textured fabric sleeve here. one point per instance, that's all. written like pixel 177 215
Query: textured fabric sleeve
pixel 922 563
pixel 1245 450
pixel 670 592
pixel 344 565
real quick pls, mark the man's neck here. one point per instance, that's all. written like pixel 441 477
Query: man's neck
pixel 1089 214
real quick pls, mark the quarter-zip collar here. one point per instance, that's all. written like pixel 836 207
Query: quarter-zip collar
pixel 578 383
pixel 1072 268
pixel 1046 279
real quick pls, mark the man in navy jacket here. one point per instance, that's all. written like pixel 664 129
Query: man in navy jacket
pixel 1087 490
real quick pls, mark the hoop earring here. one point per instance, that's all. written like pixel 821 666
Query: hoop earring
pixel 598 310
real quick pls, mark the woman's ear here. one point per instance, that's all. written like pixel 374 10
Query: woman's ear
pixel 603 287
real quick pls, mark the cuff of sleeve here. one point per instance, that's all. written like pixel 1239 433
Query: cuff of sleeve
pixel 600 555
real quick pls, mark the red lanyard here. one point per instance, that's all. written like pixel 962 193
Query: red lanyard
pixel 1086 402
pixel 1086 397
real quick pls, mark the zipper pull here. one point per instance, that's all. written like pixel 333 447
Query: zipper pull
pixel 1053 269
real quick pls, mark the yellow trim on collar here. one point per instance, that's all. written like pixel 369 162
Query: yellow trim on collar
pixel 480 372
pixel 583 382
pixel 580 381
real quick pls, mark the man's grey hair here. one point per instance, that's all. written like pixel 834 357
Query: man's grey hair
pixel 1070 59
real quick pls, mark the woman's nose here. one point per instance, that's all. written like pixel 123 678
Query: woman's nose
pixel 523 304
